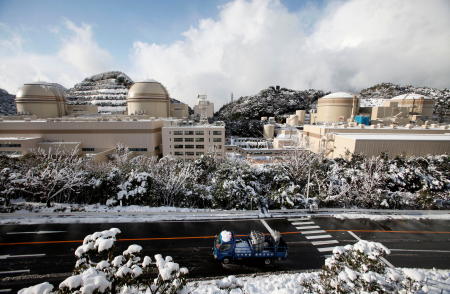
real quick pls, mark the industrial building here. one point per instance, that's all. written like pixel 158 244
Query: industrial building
pixel 188 140
pixel 46 121
pixel 204 106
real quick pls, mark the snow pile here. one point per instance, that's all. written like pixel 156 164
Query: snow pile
pixel 99 241
pixel 226 236
pixel 89 282
pixel 167 268
pixel 43 288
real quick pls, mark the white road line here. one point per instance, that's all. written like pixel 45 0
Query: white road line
pixel 37 232
pixel 325 242
pixel 15 272
pixel 421 250
pixel 21 256
pixel 318 237
pixel 5 290
pixel 325 249
pixel 307 227
pixel 299 219
pixel 303 223
pixel 268 227
pixel 313 232
pixel 381 258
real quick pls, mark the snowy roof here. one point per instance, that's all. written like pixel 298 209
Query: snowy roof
pixel 17 138
pixel 338 95
pixel 410 96
pixel 397 137
pixel 148 81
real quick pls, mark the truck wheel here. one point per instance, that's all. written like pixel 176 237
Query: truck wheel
pixel 226 260
pixel 267 261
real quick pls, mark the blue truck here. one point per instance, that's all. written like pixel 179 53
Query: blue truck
pixel 227 248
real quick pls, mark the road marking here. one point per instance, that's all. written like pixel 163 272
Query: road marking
pixel 272 233
pixel 307 227
pixel 325 242
pixel 5 290
pixel 299 219
pixel 421 250
pixel 313 232
pixel 381 258
pixel 383 231
pixel 303 223
pixel 318 237
pixel 37 232
pixel 325 249
pixel 15 272
pixel 21 256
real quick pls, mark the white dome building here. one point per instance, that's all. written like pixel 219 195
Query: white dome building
pixel 150 98
pixel 336 107
pixel 416 103
pixel 41 99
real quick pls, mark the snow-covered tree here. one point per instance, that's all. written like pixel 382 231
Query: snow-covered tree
pixel 98 270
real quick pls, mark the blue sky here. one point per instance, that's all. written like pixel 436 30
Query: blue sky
pixel 116 24
pixel 216 47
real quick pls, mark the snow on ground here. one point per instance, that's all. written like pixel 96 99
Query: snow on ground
pixel 375 217
pixel 436 280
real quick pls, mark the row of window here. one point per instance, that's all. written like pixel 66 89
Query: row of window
pixel 189 139
pixel 12 145
pixel 188 153
pixel 198 133
pixel 189 146
pixel 138 149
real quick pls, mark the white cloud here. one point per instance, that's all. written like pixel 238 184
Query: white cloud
pixel 351 45
pixel 78 57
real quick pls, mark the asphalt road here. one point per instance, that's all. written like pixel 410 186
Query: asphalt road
pixel 29 252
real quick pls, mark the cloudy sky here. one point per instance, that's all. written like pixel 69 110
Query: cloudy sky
pixel 217 47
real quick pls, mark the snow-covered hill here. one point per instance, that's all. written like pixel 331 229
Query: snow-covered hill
pixel 389 90
pixel 273 101
pixel 7 103
pixel 107 90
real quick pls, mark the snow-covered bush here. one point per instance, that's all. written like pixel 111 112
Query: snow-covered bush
pixel 359 268
pixel 97 270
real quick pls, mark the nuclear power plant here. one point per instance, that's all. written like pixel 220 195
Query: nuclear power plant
pixel 45 120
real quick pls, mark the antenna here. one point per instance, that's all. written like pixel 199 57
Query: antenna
pixel 232 96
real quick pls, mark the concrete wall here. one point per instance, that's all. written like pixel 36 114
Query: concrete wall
pixel 151 107
pixel 99 135
pixel 179 110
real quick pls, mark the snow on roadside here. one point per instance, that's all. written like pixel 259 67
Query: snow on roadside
pixel 377 217
pixel 436 280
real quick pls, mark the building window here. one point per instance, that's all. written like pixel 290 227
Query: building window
pixel 178 146
pixel 200 146
pixel 189 146
pixel 217 132
pixel 190 153
pixel 217 139
pixel 138 149
pixel 199 139
pixel 188 132
pixel 11 145
pixel 188 139
pixel 199 153
pixel 157 148
pixel 88 149
pixel 178 139
pixel 179 153
pixel 199 133
pixel 178 133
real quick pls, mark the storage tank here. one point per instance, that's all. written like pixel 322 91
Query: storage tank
pixel 269 131
pixel 292 120
pixel 44 100
pixel 417 104
pixel 336 107
pixel 148 98
pixel 301 116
